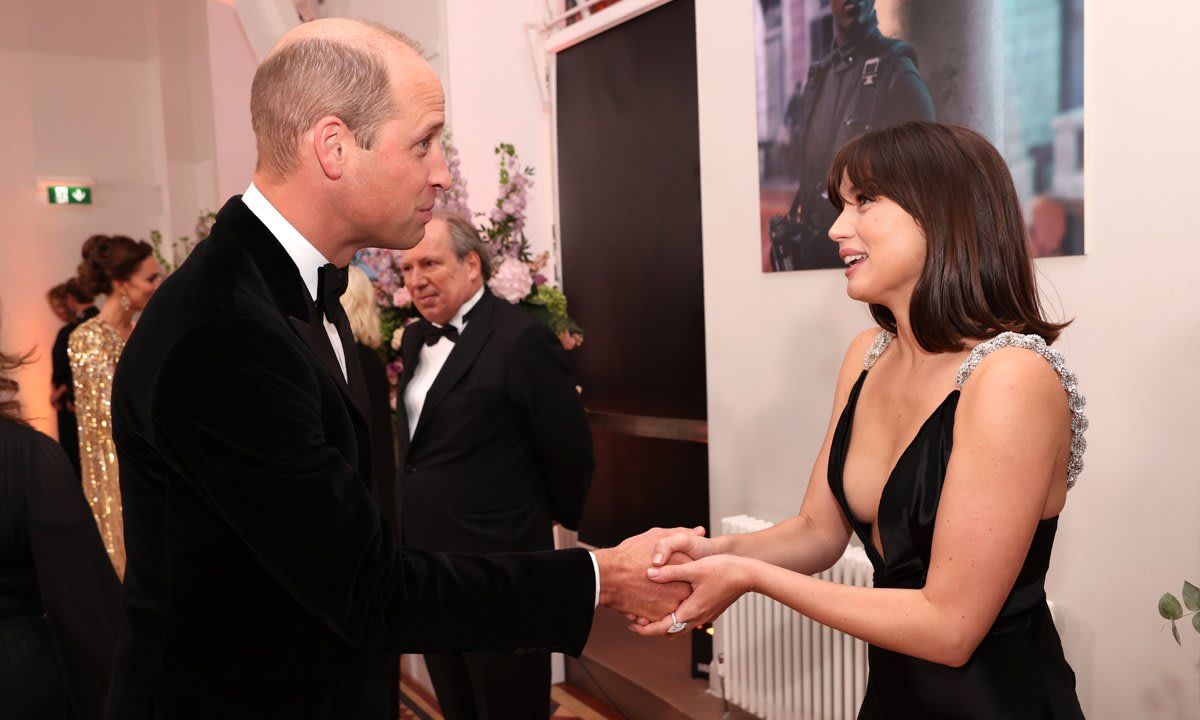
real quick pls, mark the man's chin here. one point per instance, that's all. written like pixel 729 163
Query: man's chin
pixel 404 239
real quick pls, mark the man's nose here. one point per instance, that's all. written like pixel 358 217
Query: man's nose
pixel 439 175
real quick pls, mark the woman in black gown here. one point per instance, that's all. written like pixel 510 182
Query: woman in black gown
pixel 956 433
pixel 59 595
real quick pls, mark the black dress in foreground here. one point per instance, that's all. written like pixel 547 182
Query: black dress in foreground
pixel 59 596
pixel 1018 670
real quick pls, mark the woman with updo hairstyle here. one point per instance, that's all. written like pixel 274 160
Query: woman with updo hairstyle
pixel 125 272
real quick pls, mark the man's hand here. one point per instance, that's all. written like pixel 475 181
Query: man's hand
pixel 691 543
pixel 624 585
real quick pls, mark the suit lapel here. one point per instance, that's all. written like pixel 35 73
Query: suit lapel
pixel 312 331
pixel 410 354
pixel 357 384
pixel 461 358
pixel 287 290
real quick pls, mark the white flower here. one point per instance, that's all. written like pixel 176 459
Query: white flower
pixel 511 281
pixel 397 337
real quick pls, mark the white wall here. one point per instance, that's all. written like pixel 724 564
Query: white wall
pixel 81 97
pixel 422 20
pixel 1130 529
pixel 231 70
pixel 493 97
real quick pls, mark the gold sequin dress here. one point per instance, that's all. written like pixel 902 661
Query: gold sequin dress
pixel 94 348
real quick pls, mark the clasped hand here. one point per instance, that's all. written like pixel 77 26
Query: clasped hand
pixel 716 581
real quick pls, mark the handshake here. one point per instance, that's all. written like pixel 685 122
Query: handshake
pixel 664 581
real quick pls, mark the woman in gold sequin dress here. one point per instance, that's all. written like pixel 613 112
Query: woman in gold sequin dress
pixel 125 272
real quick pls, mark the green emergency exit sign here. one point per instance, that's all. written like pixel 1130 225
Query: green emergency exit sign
pixel 70 194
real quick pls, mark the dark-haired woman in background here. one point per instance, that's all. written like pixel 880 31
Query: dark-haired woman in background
pixel 955 435
pixel 125 271
pixel 59 597
pixel 79 307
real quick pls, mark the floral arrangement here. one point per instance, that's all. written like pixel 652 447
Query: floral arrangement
pixel 182 247
pixel 517 276
pixel 1170 609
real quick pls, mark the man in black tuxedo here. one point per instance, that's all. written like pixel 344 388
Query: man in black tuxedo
pixel 494 447
pixel 81 307
pixel 261 581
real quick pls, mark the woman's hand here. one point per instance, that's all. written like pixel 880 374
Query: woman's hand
pixel 717 581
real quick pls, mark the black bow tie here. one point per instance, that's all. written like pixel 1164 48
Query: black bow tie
pixel 331 284
pixel 433 333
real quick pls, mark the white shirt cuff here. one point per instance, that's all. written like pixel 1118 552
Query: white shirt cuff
pixel 596 567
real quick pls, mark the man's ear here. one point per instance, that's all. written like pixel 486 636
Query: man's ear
pixel 331 142
pixel 474 265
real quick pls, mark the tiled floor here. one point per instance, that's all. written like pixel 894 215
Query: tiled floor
pixel 568 704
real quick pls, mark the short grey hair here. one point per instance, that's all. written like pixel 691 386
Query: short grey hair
pixel 465 239
pixel 313 77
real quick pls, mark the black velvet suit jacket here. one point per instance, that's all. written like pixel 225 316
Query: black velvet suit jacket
pixel 503 447
pixel 261 580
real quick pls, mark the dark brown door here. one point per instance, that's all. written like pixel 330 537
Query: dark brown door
pixel 629 192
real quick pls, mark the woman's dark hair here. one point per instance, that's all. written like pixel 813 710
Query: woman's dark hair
pixel 978 276
pixel 107 258
pixel 10 407
pixel 75 290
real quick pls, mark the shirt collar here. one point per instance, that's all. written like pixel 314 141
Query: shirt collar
pixel 857 48
pixel 459 319
pixel 307 258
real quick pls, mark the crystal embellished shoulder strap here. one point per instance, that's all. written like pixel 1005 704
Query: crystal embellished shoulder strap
pixel 882 340
pixel 1070 383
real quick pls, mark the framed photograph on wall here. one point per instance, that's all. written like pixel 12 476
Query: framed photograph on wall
pixel 829 70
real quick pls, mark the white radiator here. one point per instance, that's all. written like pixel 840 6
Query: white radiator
pixel 780 664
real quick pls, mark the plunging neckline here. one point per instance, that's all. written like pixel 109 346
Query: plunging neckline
pixel 853 409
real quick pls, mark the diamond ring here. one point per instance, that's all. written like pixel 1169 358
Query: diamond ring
pixel 676 626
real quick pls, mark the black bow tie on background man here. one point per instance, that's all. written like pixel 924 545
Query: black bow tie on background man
pixel 331 284
pixel 432 333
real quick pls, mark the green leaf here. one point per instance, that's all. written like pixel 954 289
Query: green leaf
pixel 1169 607
pixel 1196 622
pixel 1191 596
pixel 1175 632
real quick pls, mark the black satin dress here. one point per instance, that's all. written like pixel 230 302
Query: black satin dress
pixel 1019 670
pixel 59 595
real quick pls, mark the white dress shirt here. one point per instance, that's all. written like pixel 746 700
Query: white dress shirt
pixel 429 364
pixel 307 258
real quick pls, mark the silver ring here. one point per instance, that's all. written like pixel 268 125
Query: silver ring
pixel 676 626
